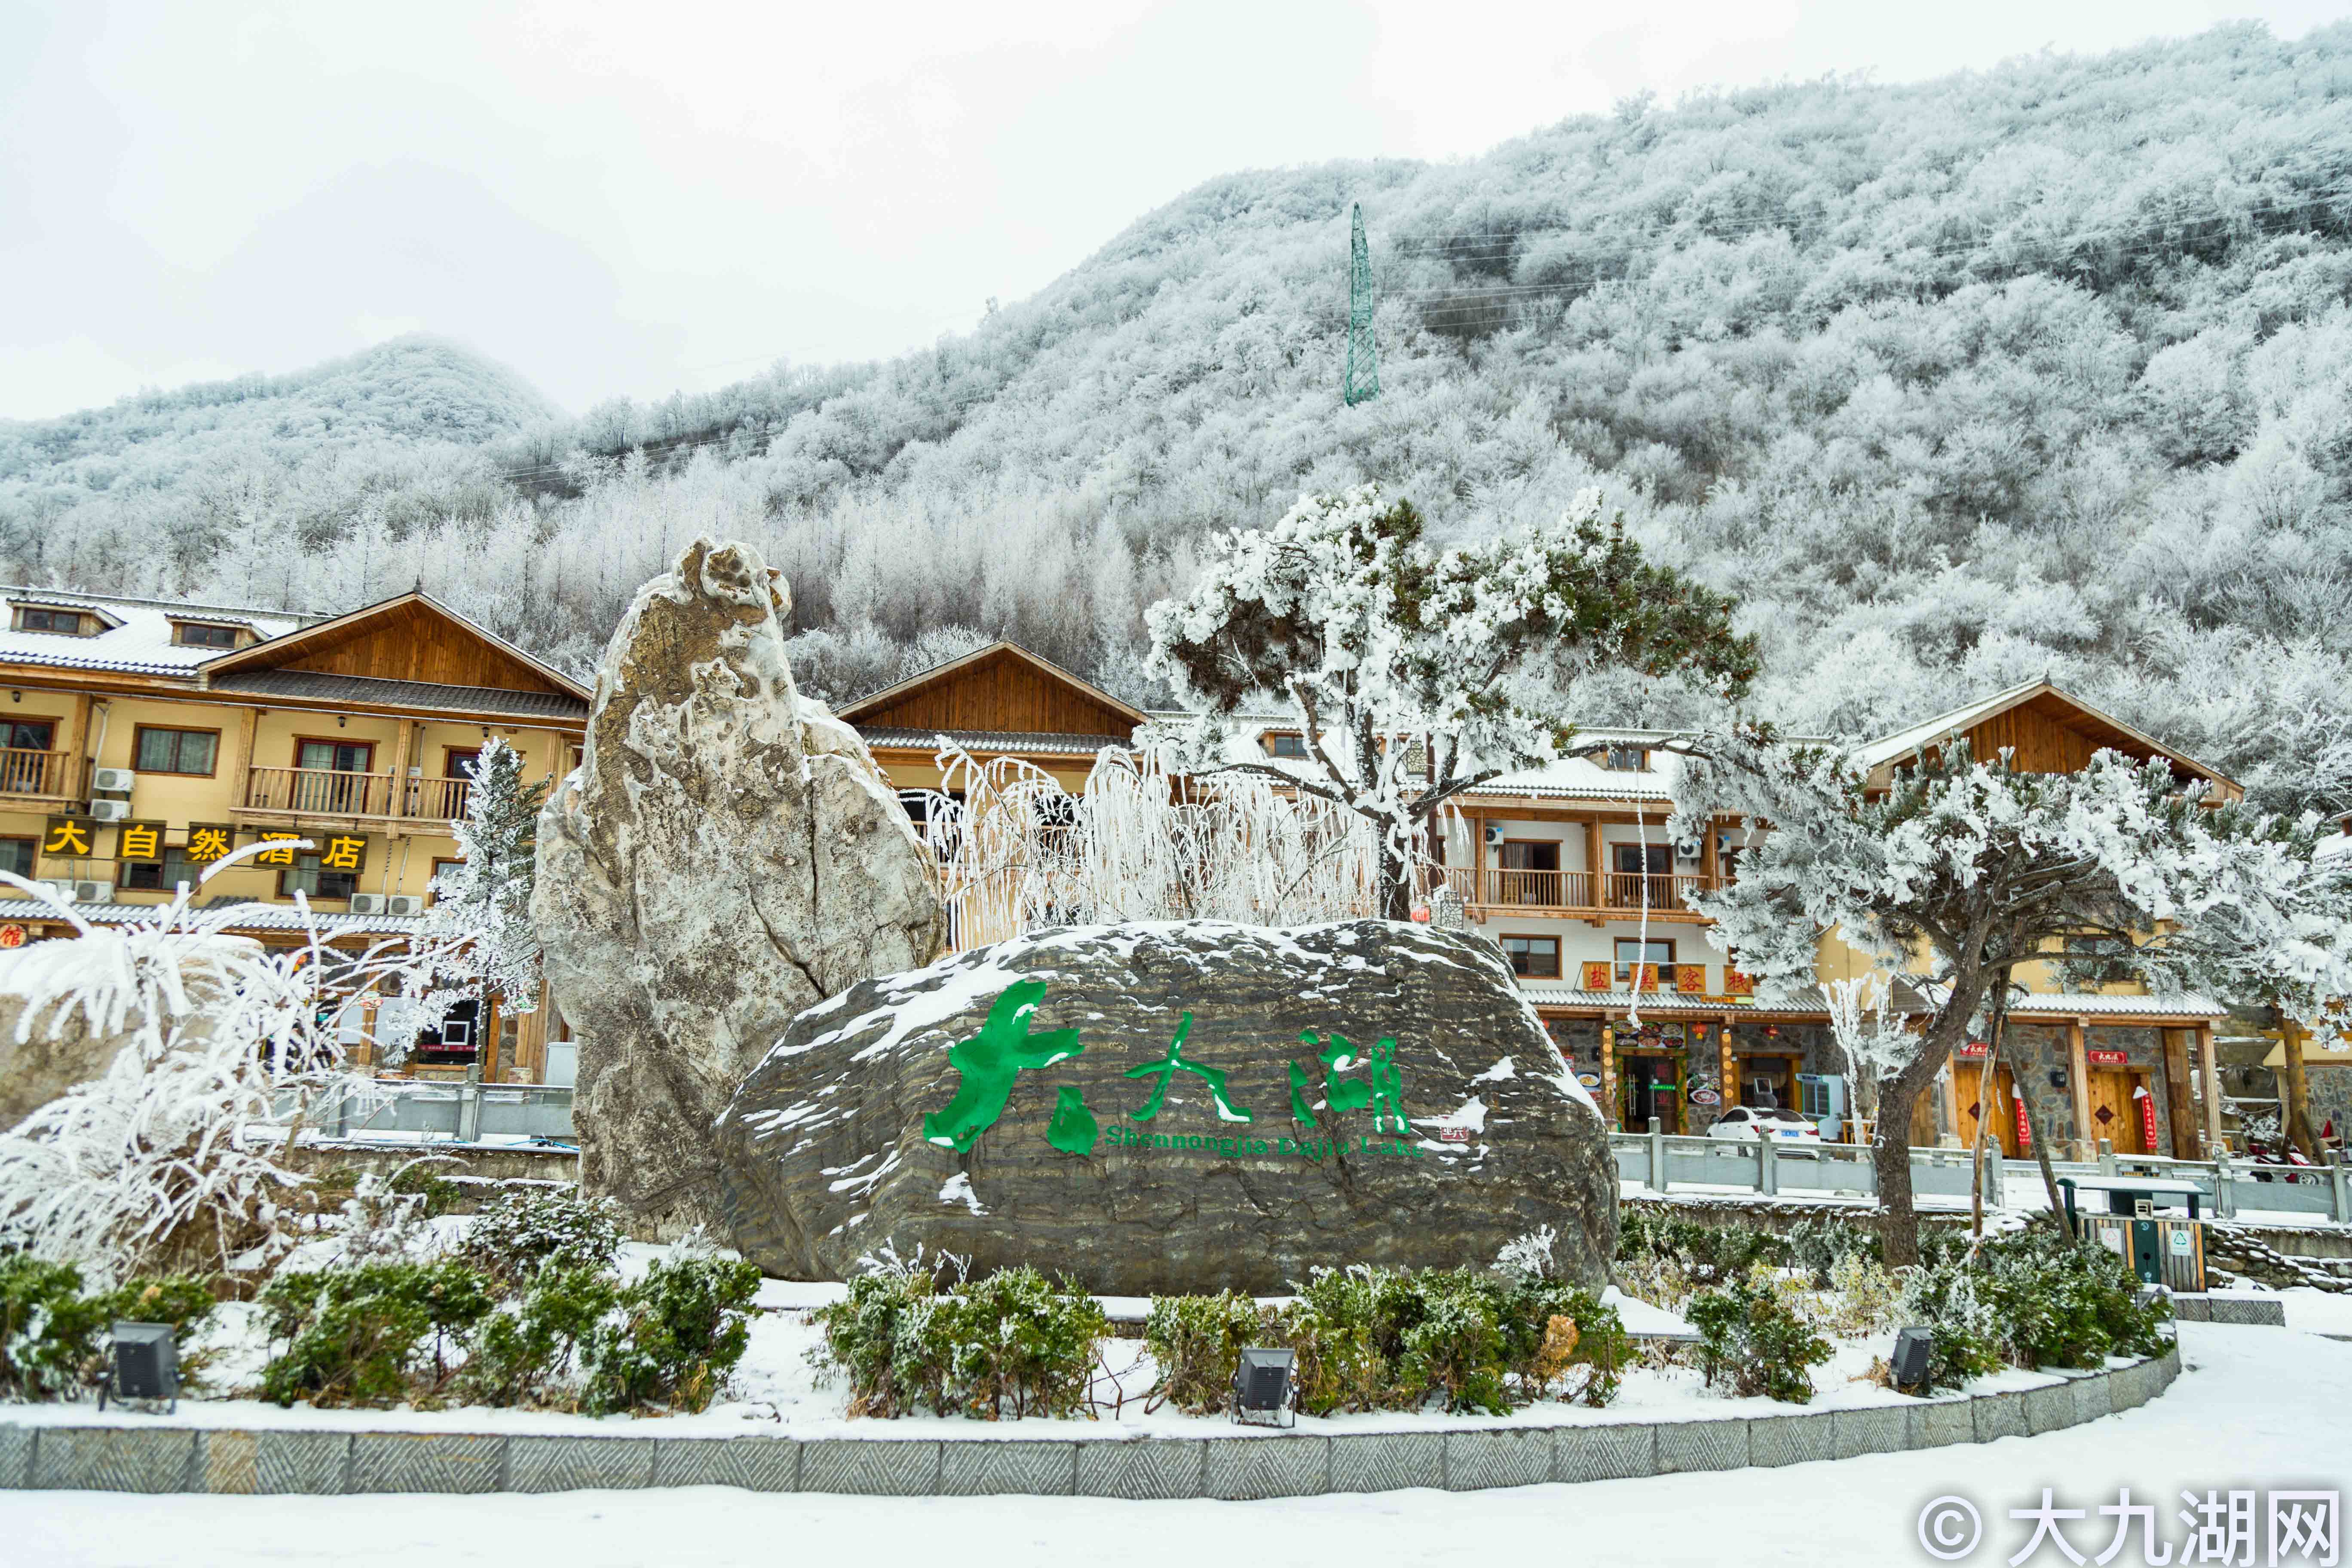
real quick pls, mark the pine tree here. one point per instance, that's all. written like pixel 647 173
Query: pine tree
pixel 479 926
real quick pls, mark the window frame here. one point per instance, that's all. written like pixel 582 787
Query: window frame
pixel 1554 845
pixel 320 875
pixel 82 621
pixel 440 863
pixel 1610 762
pixel 51 725
pixel 302 741
pixel 1273 743
pixel 1503 938
pixel 174 855
pixel 180 639
pixel 1623 971
pixel 139 734
pixel 449 756
pixel 32 851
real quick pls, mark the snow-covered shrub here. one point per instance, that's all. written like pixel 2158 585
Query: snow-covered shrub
pixel 355 1335
pixel 518 1234
pixel 48 1329
pixel 1753 1341
pixel 1663 1258
pixel 1819 1244
pixel 878 1337
pixel 527 1350
pixel 1529 1257
pixel 1942 1295
pixel 676 1336
pixel 1197 1341
pixel 53 1337
pixel 1018 1344
pixel 1861 1298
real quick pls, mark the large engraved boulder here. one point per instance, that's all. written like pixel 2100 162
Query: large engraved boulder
pixel 1173 1108
pixel 727 855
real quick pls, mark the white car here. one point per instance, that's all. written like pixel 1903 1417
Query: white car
pixel 1778 1123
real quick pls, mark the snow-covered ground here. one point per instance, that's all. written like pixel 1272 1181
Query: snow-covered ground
pixel 2259 1407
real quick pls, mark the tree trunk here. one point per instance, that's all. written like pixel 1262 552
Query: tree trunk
pixel 1890 1162
pixel 2049 1176
pixel 2296 1094
pixel 1392 896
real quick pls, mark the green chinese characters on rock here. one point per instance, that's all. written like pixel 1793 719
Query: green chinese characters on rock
pixel 1073 1130
pixel 1171 1064
pixel 989 1062
pixel 1383 1089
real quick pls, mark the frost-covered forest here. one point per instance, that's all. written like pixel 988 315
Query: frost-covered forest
pixel 2044 370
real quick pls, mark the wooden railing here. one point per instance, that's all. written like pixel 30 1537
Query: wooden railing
pixel 1495 887
pixel 438 800
pixel 50 773
pixel 319 792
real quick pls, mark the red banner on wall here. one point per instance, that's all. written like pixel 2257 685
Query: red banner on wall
pixel 2024 1127
pixel 2147 1119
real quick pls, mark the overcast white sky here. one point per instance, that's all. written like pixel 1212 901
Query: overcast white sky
pixel 627 199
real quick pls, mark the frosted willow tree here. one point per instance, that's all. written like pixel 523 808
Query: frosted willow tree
pixel 175 1156
pixel 1384 649
pixel 479 931
pixel 1977 868
pixel 1139 842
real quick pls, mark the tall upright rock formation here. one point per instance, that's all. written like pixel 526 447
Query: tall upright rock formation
pixel 727 855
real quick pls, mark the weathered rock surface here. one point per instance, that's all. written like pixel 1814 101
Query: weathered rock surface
pixel 727 855
pixel 1016 1104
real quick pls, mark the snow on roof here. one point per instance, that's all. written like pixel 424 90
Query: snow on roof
pixel 2063 1003
pixel 250 917
pixel 139 642
pixel 1903 743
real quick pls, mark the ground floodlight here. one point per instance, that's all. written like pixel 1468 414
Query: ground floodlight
pixel 1910 1359
pixel 146 1365
pixel 1261 1386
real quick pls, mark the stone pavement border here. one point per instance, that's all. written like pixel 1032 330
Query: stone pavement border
pixel 164 1459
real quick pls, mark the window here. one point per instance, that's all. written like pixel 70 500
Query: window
pixel 1533 957
pixel 67 623
pixel 1285 743
pixel 440 868
pixel 160 877
pixel 309 879
pixel 24 737
pixel 1626 759
pixel 457 764
pixel 175 751
pixel 334 756
pixel 18 855
pixel 1632 950
pixel 1527 854
pixel 193 634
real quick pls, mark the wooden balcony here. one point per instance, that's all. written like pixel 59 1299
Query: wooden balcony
pixel 320 794
pixel 42 776
pixel 1619 894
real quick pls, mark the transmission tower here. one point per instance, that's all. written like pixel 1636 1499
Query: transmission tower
pixel 1363 360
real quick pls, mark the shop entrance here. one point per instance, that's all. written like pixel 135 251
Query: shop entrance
pixel 1767 1079
pixel 1968 1100
pixel 2115 1110
pixel 1652 1085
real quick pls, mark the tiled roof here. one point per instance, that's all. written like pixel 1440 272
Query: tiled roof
pixel 250 917
pixel 323 688
pixel 995 740
pixel 140 644
pixel 2048 1003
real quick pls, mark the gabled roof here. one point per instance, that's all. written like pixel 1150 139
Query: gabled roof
pixel 386 638
pixel 880 706
pixel 2034 699
pixel 138 639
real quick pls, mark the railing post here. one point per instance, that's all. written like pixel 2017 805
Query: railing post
pixel 1657 1155
pixel 2106 1157
pixel 2225 1189
pixel 1992 1175
pixel 1768 1168
pixel 2339 1191
pixel 469 1105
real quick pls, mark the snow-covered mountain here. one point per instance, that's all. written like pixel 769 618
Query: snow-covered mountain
pixel 2041 369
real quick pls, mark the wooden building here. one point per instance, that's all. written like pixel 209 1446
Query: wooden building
pixel 145 739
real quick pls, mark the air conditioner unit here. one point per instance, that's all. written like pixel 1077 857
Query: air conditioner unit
pixel 404 904
pixel 62 889
pixel 93 892
pixel 112 780
pixel 367 903
pixel 1494 833
pixel 109 810
pixel 1688 850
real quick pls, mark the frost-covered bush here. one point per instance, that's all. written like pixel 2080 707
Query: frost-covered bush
pixel 1754 1340
pixel 673 1338
pixel 1819 1244
pixel 356 1335
pixel 2035 1298
pixel 1197 1341
pixel 518 1234
pixel 1013 1343
pixel 528 1350
pixel 53 1337
pixel 1377 1339
pixel 1663 1258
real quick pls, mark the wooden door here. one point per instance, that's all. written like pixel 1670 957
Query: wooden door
pixel 1651 1087
pixel 2115 1110
pixel 1966 1077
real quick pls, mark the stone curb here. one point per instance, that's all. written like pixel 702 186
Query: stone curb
pixel 164 1458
